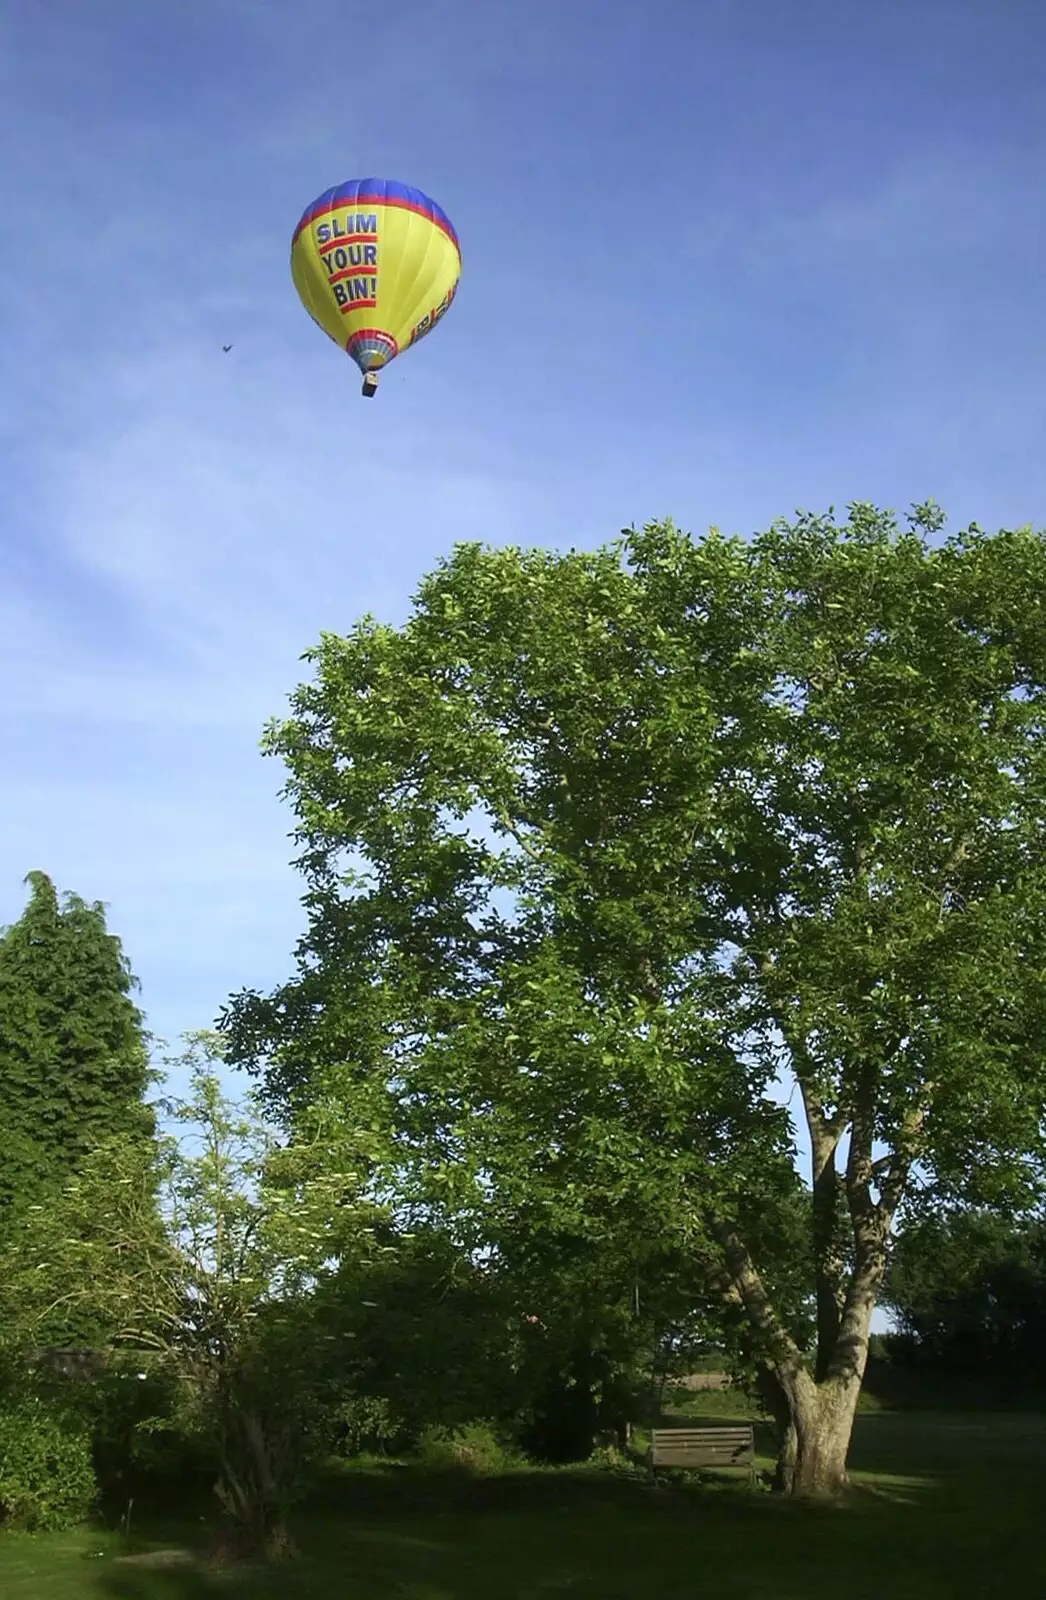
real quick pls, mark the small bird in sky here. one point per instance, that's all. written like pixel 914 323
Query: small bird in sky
pixel 226 348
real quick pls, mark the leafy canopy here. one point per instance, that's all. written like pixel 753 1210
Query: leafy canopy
pixel 599 845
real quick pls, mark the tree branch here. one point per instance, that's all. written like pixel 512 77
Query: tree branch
pixel 749 1291
pixel 819 1123
pixel 899 1163
pixel 513 832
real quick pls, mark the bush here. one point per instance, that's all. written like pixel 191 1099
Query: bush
pixel 130 1417
pixel 135 1422
pixel 47 1478
pixel 474 1448
pixel 610 1458
pixel 365 1423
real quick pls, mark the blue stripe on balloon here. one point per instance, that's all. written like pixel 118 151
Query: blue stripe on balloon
pixel 377 191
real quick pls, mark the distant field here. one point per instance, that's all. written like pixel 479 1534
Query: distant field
pixel 946 1507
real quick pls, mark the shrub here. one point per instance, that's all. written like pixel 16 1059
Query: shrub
pixel 136 1422
pixel 365 1423
pixel 611 1458
pixel 474 1448
pixel 124 1411
pixel 47 1479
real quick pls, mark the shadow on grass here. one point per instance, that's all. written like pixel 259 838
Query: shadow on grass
pixel 940 1508
pixel 418 1536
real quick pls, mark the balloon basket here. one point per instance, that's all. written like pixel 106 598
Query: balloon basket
pixel 370 385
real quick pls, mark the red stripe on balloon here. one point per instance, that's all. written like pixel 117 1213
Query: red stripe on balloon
pixel 353 272
pixel 374 200
pixel 347 238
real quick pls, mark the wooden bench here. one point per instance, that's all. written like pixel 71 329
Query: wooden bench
pixel 703 1447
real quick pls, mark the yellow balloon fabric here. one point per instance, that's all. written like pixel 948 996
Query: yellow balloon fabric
pixel 376 265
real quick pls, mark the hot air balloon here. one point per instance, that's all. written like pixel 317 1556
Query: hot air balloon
pixel 376 265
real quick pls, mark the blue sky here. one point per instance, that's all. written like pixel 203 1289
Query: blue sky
pixel 720 261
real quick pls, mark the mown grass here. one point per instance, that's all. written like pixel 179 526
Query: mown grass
pixel 943 1507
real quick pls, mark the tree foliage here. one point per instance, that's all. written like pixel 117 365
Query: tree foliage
pixel 596 848
pixel 968 1291
pixel 47 1479
pixel 73 1051
pixel 424 1336
pixel 205 1250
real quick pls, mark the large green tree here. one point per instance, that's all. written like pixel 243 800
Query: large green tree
pixel 73 1052
pixel 599 845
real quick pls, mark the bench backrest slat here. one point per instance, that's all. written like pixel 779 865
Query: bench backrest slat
pixel 681 1447
pixel 701 1432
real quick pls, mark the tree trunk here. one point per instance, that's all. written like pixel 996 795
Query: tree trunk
pixel 828 1236
pixel 233 1543
pixel 255 1519
pixel 814 1411
pixel 814 1422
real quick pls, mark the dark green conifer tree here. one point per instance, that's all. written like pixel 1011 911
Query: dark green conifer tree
pixel 74 1060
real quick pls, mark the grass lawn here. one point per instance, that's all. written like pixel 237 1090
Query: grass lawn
pixel 945 1507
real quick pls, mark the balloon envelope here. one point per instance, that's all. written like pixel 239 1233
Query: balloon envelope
pixel 376 265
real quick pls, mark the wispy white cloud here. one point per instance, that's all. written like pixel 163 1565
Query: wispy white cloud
pixel 926 218
pixel 935 207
